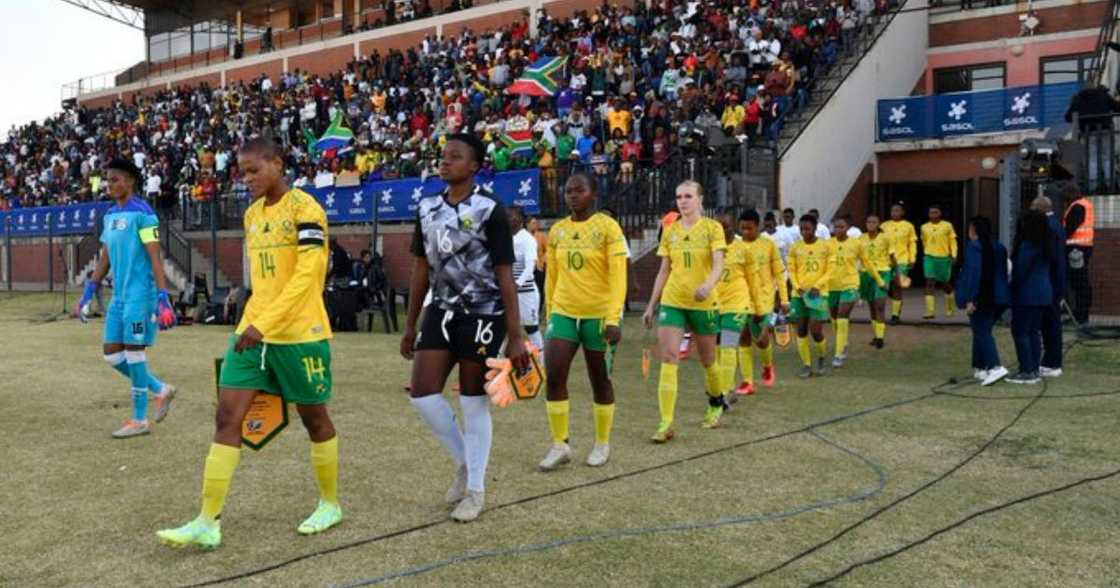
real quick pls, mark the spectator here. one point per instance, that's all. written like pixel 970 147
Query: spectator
pixel 982 291
pixel 1031 292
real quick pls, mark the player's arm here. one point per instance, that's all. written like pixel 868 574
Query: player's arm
pixel 821 284
pixel 911 245
pixel 952 243
pixel 778 273
pixel 499 240
pixel 794 270
pixel 710 281
pixel 551 276
pixel 149 236
pixel 865 259
pixel 617 259
pixel 102 268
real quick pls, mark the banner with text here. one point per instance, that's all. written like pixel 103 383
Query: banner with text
pixel 74 219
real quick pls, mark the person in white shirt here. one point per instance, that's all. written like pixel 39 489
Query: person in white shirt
pixel 524 262
pixel 787 233
pixel 824 232
pixel 152 185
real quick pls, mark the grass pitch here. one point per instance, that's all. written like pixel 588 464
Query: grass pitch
pixel 709 509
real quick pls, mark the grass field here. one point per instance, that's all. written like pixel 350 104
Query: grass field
pixel 709 509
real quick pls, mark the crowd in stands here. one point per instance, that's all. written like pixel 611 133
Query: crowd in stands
pixel 635 79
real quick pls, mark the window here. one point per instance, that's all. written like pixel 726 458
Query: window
pixel 990 76
pixel 1066 68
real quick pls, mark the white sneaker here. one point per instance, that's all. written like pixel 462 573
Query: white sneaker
pixel 979 375
pixel 994 375
pixel 599 455
pixel 469 508
pixel 558 455
pixel 1049 372
pixel 458 489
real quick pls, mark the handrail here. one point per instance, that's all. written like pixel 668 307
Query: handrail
pixel 176 248
pixel 1103 38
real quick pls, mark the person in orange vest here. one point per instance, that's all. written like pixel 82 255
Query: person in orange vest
pixel 1078 222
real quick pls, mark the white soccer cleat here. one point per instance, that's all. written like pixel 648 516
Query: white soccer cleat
pixel 599 455
pixel 163 402
pixel 558 455
pixel 469 507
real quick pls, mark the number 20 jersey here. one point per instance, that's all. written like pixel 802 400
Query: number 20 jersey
pixel 463 244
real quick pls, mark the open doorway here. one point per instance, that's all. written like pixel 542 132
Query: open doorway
pixel 954 198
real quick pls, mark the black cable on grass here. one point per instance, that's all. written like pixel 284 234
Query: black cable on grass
pixel 963 521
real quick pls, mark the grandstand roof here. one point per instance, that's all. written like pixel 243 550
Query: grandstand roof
pixel 253 12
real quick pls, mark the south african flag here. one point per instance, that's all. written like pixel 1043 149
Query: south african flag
pixel 540 79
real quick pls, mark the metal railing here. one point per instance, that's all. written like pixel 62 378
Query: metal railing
pixel 1100 57
pixel 176 248
pixel 1096 137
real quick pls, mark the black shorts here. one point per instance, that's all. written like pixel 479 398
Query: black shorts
pixel 473 337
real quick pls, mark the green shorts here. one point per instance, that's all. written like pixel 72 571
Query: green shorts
pixel 733 321
pixel 701 322
pixel 938 269
pixel 585 332
pixel 869 290
pixel 838 297
pixel 758 324
pixel 902 269
pixel 798 310
pixel 300 372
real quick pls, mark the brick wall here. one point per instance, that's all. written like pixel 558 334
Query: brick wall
pixel 1054 20
pixel 323 62
pixel 273 69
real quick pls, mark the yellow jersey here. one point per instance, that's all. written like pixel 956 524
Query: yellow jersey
pixel 904 240
pixel 733 288
pixel 809 265
pixel 287 248
pixel 768 273
pixel 879 251
pixel 690 252
pixel 846 255
pixel 939 239
pixel 586 269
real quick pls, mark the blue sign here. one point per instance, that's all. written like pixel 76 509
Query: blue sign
pixel 396 200
pixel 966 113
pixel 76 219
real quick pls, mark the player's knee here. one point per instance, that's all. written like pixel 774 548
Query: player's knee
pixel 133 356
pixel 225 420
pixel 115 358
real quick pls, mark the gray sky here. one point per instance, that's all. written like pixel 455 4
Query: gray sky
pixel 47 43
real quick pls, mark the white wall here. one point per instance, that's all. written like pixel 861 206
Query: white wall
pixel 821 166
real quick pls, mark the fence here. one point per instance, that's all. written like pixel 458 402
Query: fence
pixel 48 258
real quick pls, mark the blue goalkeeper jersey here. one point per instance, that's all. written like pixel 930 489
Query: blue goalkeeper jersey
pixel 124 231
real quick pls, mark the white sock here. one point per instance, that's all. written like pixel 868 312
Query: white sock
pixel 438 414
pixel 477 435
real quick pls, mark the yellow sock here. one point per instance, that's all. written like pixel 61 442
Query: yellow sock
pixel 712 380
pixel 880 329
pixel 767 354
pixel 220 464
pixel 930 305
pixel 949 309
pixel 841 336
pixel 604 420
pixel 822 347
pixel 803 351
pixel 746 363
pixel 667 391
pixel 727 364
pixel 324 458
pixel 558 411
pixel 896 308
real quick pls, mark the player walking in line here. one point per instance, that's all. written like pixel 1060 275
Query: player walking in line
pixel 810 271
pixel 768 274
pixel 880 252
pixel 140 305
pixel 463 251
pixel 734 293
pixel 939 246
pixel 843 287
pixel 691 253
pixel 585 290
pixel 281 346
pixel 524 263
pixel 904 241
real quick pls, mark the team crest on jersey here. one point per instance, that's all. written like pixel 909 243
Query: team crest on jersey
pixel 120 224
pixel 466 222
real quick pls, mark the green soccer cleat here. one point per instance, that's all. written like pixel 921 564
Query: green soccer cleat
pixel 664 432
pixel 200 532
pixel 326 515
pixel 711 417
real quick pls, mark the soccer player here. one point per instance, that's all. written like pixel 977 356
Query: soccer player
pixel 524 263
pixel 463 251
pixel 809 273
pixel 281 345
pixel 904 241
pixel 880 252
pixel 140 303
pixel 939 243
pixel 768 274
pixel 734 293
pixel 691 253
pixel 585 290
pixel 843 287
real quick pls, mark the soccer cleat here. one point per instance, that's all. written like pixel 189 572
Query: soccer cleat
pixel 458 489
pixel 326 515
pixel 1025 378
pixel 877 343
pixel 132 428
pixel 1049 372
pixel 805 372
pixel 822 365
pixel 163 402
pixel 838 362
pixel 895 321
pixel 747 388
pixel 599 455
pixel 200 532
pixel 664 432
pixel 768 376
pixel 711 417
pixel 994 375
pixel 558 455
pixel 469 508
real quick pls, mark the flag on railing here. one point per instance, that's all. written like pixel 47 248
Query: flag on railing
pixel 336 138
pixel 540 79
